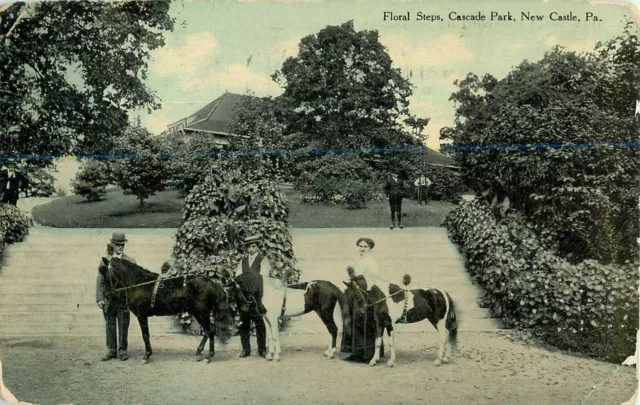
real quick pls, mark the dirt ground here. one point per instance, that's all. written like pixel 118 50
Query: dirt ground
pixel 490 368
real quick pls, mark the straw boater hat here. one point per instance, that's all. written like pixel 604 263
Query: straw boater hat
pixel 118 239
pixel 252 239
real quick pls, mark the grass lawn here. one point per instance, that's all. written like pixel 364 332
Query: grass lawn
pixel 164 210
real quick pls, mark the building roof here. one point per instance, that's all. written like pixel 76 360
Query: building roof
pixel 437 158
pixel 215 116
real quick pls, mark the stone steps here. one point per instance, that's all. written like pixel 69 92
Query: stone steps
pixel 47 282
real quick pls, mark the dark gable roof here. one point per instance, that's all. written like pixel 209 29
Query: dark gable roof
pixel 215 116
pixel 438 158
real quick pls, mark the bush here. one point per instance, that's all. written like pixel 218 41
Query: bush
pixel 91 180
pixel 141 170
pixel 338 179
pixel 542 116
pixel 220 212
pixel 446 184
pixel 588 307
pixel 14 224
pixel 190 161
pixel 40 181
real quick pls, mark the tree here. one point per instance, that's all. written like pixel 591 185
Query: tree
pixel 91 180
pixel 70 70
pixel 342 91
pixel 138 167
pixel 553 139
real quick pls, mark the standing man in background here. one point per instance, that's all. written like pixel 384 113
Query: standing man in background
pixel 11 181
pixel 114 304
pixel 422 184
pixel 395 189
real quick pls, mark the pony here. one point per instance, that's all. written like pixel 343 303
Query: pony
pixel 299 299
pixel 152 295
pixel 408 306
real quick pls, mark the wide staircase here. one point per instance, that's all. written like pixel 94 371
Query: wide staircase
pixel 47 282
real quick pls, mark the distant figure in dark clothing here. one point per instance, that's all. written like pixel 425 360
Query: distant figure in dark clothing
pixel 11 181
pixel 395 189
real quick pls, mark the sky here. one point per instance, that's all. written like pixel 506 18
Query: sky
pixel 237 46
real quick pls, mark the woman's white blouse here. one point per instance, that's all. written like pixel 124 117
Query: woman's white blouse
pixel 368 267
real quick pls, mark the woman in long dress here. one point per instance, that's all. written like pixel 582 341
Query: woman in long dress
pixel 360 340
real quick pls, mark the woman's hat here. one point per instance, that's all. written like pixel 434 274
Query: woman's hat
pixel 369 242
pixel 252 239
pixel 118 239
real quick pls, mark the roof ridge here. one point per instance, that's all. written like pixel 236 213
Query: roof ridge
pixel 212 110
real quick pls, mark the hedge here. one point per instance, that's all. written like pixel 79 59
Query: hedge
pixel 14 224
pixel 586 307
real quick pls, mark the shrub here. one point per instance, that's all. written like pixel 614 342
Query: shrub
pixel 588 307
pixel 91 180
pixel 14 224
pixel 40 181
pixel 542 115
pixel 338 179
pixel 446 184
pixel 190 161
pixel 141 170
pixel 220 212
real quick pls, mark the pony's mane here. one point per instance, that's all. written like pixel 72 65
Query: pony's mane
pixel 133 266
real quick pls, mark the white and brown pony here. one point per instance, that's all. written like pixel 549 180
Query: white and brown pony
pixel 319 296
pixel 404 306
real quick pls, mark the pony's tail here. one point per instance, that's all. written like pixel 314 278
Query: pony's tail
pixel 224 316
pixel 451 323
pixel 343 308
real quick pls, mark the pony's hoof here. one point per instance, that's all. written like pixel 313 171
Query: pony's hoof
pixel 207 360
pixel 437 362
pixel 276 358
pixel 390 363
pixel 331 356
pixel 373 363
pixel 198 358
pixel 269 356
pixel 145 361
pixel 445 360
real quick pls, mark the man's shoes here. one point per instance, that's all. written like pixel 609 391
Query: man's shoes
pixel 400 226
pixel 124 357
pixel 108 356
pixel 392 226
pixel 244 354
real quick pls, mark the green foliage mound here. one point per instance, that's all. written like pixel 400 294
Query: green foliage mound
pixel 14 224
pixel 587 307
pixel 338 179
pixel 224 209
pixel 557 140
pixel 91 180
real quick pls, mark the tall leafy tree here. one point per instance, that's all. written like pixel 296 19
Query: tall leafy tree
pixel 70 71
pixel 342 90
pixel 554 122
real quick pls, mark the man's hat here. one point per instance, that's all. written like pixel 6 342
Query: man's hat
pixel 118 239
pixel 252 239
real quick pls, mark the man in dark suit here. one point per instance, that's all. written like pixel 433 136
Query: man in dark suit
pixel 114 304
pixel 11 181
pixel 249 278
pixel 395 189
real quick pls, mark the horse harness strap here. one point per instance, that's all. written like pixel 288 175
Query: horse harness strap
pixel 156 287
pixel 406 305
